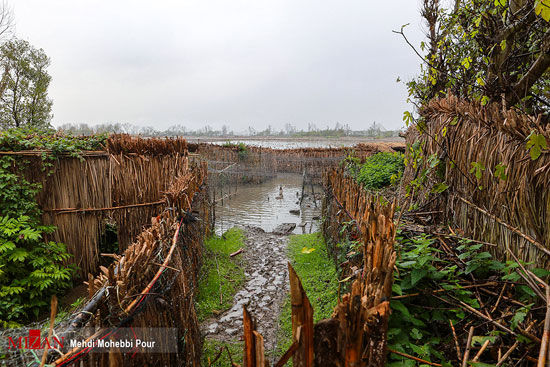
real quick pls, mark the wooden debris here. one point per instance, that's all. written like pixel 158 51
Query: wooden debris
pixel 239 251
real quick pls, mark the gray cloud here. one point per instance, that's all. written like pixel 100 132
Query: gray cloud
pixel 237 62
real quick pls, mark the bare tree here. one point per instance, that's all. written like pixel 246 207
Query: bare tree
pixel 7 24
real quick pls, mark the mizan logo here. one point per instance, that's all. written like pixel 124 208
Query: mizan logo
pixel 34 341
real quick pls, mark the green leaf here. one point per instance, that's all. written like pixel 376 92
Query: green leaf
pixel 19 254
pixel 417 275
pixel 396 288
pixel 542 8
pixel 500 171
pixel 536 143
pixel 440 187
pixel 481 339
pixel 407 117
pixel 466 62
pixel 477 169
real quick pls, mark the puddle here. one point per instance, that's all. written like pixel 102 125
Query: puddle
pixel 258 205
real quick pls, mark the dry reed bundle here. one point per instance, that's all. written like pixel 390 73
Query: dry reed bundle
pixel 363 313
pixel 139 179
pixel 490 136
pixel 127 144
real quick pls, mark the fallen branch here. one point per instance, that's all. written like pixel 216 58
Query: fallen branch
pixel 413 358
pixel 236 252
pixel 458 353
pixel 513 347
pixel 445 290
pixel 472 310
pixel 481 350
pixel 468 346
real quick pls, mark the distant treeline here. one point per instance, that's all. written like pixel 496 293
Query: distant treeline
pixel 374 130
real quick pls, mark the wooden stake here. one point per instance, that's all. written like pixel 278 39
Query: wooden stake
pixel 53 312
pixel 546 334
pixel 302 315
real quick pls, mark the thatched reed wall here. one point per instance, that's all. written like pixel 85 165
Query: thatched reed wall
pixel 76 183
pixel 257 163
pixel 124 184
pixel 513 213
pixel 137 178
pixel 171 247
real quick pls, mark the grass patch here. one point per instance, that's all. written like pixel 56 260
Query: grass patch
pixel 220 271
pixel 211 348
pixel 319 279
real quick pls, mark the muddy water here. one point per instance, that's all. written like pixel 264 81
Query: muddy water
pixel 261 205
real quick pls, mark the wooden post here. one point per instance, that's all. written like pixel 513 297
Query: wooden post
pixel 302 321
pixel 254 350
pixel 249 359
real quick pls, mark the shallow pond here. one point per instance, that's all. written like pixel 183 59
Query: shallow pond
pixel 260 205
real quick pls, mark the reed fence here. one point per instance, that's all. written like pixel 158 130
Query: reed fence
pixel 511 211
pixel 151 285
pixel 256 164
pixel 125 184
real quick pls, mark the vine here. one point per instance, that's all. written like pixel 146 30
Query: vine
pixel 32 267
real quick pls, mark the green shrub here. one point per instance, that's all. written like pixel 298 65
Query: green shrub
pixel 28 138
pixel 379 170
pixel 31 269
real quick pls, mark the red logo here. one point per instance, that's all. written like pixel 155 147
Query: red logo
pixel 34 341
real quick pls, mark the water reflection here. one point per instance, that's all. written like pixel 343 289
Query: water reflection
pixel 262 206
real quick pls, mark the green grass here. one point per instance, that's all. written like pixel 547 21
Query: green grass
pixel 319 279
pixel 211 348
pixel 219 270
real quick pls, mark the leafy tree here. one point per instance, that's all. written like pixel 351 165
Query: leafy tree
pixel 25 99
pixel 489 51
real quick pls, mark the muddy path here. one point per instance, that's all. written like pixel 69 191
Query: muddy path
pixel 264 291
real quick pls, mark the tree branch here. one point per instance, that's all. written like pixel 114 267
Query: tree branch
pixel 539 67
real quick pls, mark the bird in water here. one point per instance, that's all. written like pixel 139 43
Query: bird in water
pixel 280 193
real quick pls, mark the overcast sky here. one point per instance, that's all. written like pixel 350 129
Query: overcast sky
pixel 240 63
